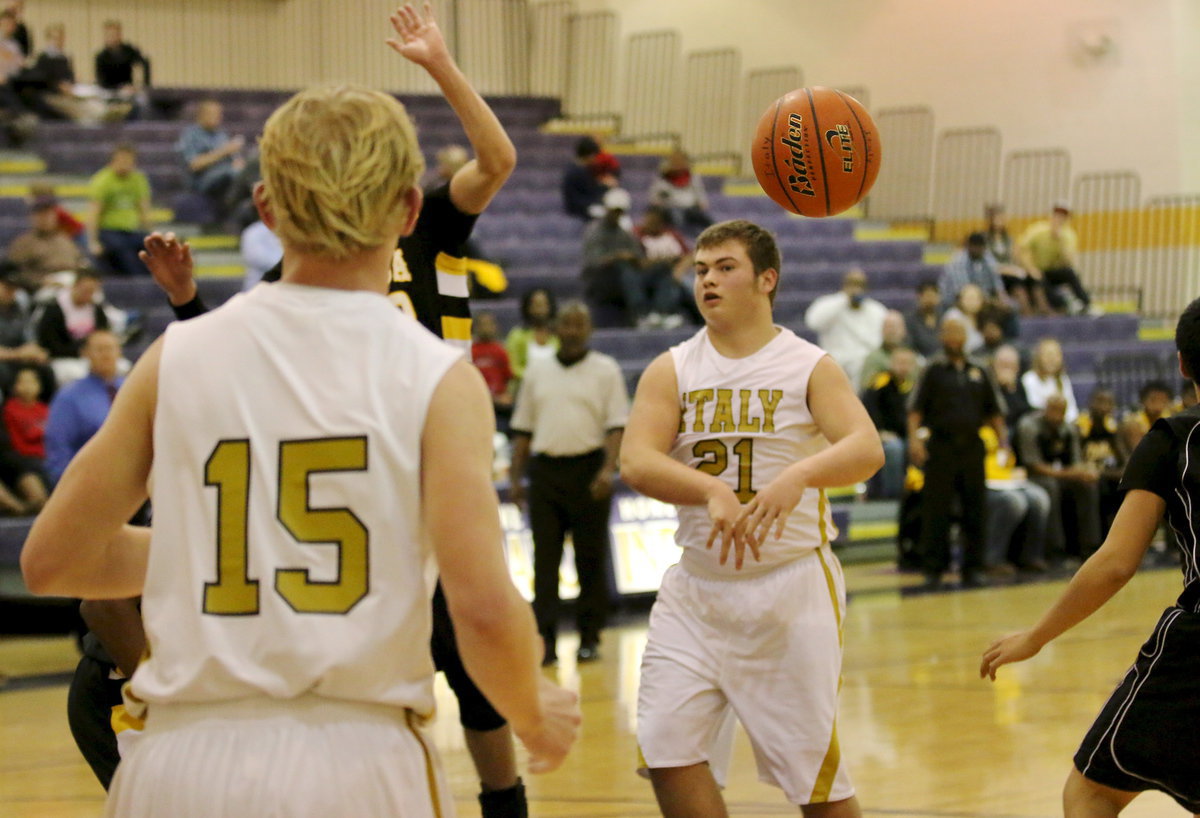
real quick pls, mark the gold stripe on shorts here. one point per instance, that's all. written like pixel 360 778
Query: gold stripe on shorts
pixel 828 771
pixel 430 772
pixel 822 526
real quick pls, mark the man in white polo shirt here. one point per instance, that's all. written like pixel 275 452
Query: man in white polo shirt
pixel 570 413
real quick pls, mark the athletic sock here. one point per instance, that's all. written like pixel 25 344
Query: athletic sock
pixel 509 803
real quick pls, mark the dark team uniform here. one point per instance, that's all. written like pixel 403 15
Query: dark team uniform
pixel 1146 736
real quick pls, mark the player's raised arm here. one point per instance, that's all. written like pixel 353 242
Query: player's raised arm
pixel 1105 572
pixel 497 637
pixel 79 545
pixel 419 40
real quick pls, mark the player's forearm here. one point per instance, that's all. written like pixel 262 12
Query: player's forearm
pixel 494 152
pixel 97 565
pixel 117 623
pixel 501 651
pixel 853 459
pixel 657 475
pixel 1093 585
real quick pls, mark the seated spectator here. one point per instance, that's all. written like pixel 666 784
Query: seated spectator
pixel 849 325
pixel 16 346
pixel 21 31
pixel 583 193
pixel 991 330
pixel 68 321
pixel 1154 402
pixel 1050 449
pixel 925 319
pixel 79 409
pixel 15 117
pixel 491 358
pixel 114 70
pixel 679 190
pixel 894 335
pixel 886 400
pixel 664 246
pixel 73 227
pixel 22 487
pixel 968 308
pixel 1029 299
pixel 261 251
pixel 534 339
pixel 211 157
pixel 1048 377
pixel 48 86
pixel 44 248
pixel 974 264
pixel 1006 368
pixel 119 214
pixel 25 415
pixel 1018 512
pixel 1104 451
pixel 1048 250
pixel 615 272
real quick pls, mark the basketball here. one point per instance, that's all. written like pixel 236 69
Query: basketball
pixel 816 151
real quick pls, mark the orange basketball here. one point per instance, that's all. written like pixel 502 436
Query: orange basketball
pixel 816 151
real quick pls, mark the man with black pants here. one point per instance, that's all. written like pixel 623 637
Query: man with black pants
pixel 953 399
pixel 429 282
pixel 569 413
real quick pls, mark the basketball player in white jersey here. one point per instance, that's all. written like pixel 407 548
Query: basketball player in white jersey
pixel 314 457
pixel 743 427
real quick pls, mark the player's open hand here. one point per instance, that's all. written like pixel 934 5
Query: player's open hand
pixel 724 508
pixel 1016 647
pixel 170 263
pixel 769 510
pixel 550 741
pixel 418 38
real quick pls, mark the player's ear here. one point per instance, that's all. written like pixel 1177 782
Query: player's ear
pixel 768 280
pixel 413 200
pixel 263 205
pixel 1183 368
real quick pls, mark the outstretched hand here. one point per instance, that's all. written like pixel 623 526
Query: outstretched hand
pixel 170 263
pixel 418 38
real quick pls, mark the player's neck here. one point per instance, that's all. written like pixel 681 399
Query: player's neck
pixel 363 271
pixel 741 339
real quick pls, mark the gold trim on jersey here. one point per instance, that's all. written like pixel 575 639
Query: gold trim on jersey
pixel 822 525
pixel 430 771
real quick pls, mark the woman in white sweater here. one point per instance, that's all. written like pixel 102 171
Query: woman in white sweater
pixel 1048 377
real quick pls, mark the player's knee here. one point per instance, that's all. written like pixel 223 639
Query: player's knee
pixel 1083 798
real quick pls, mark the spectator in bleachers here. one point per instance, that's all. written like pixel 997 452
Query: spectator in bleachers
pixel 22 486
pixel 1104 451
pixel 1015 505
pixel 68 321
pixel 849 325
pixel 895 335
pixel 1049 250
pixel 79 409
pixel 925 319
pixel 1154 402
pixel 1048 376
pixel 491 358
pixel 211 156
pixel 886 400
pixel 17 348
pixel 991 331
pixel 261 251
pixel 73 227
pixel 680 191
pixel 1028 297
pixel 13 112
pixel 967 308
pixel 583 193
pixel 21 31
pixel 45 247
pixel 1050 448
pixel 974 264
pixel 48 85
pixel 615 272
pixel 119 213
pixel 115 64
pixel 25 415
pixel 1006 369
pixel 664 246
pixel 534 339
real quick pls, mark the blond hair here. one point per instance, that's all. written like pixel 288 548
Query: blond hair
pixel 337 164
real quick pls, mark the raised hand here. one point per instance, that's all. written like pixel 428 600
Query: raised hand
pixel 170 263
pixel 418 38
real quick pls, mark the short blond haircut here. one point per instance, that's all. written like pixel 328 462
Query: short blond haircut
pixel 337 164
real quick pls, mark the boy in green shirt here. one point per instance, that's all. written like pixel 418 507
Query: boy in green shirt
pixel 119 215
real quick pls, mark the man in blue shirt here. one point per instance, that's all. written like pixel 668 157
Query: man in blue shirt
pixel 78 410
pixel 212 157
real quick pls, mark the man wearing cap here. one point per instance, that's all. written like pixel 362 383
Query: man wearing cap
pixel 45 248
pixel 615 272
pixel 1048 251
pixel 849 325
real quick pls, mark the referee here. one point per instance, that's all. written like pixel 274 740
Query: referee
pixel 953 399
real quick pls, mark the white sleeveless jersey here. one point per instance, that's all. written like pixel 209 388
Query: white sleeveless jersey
pixel 745 420
pixel 286 555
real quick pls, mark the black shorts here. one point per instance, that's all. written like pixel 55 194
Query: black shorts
pixel 1147 737
pixel 474 711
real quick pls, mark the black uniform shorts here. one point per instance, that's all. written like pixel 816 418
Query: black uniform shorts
pixel 1147 737
pixel 474 711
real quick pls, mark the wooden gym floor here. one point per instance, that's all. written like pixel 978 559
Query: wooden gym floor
pixel 923 736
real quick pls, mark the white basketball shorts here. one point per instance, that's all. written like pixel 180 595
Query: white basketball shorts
pixel 310 757
pixel 768 647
